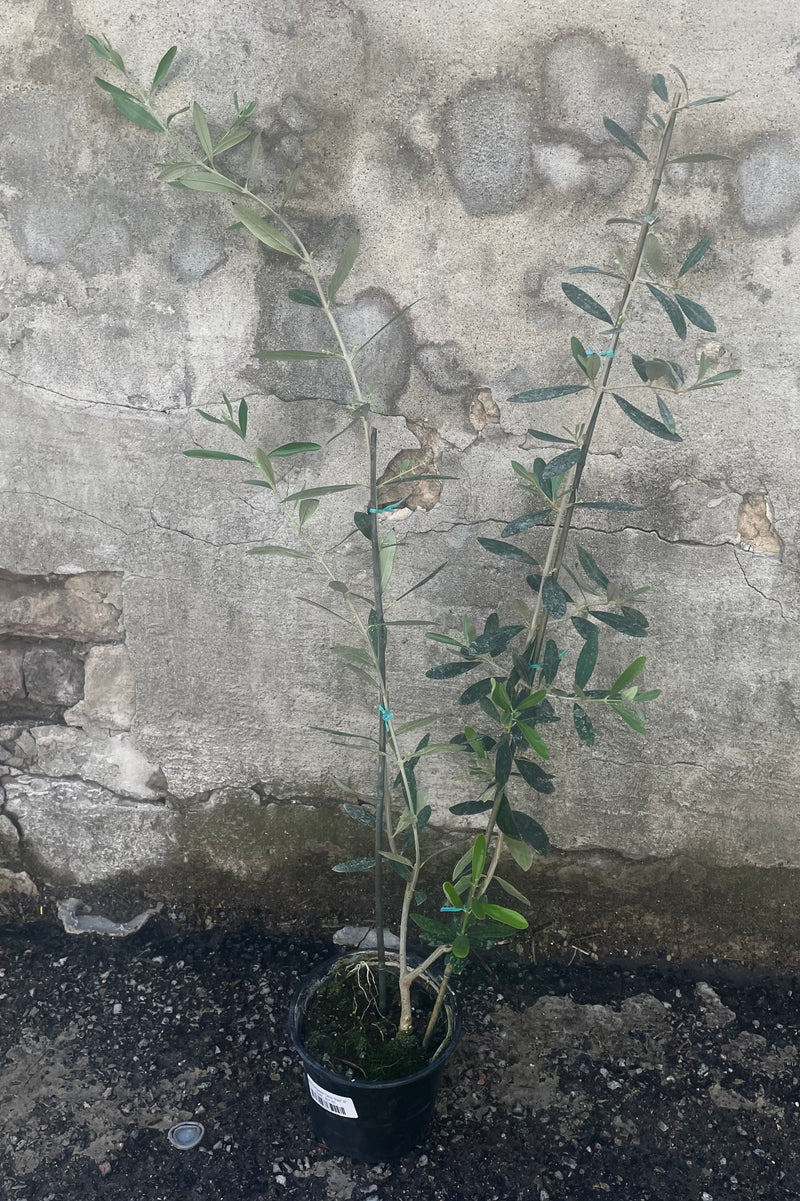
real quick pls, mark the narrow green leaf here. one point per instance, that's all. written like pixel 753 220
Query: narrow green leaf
pixel 589 305
pixel 167 172
pixel 554 598
pixel 305 296
pixel 701 158
pixel 131 108
pixel 585 628
pixel 386 325
pixel 311 493
pixel 475 691
pixel 500 697
pixel 494 641
pixel 478 858
pixel 277 550
pixel 696 314
pixel 587 660
pixel 623 138
pixel 178 112
pixel 508 917
pixel 511 890
pixel 434 931
pixel 583 725
pixel 622 221
pixel 520 524
pixel 646 421
pixel 548 437
pixel 504 759
pixel 654 255
pixel 448 671
pixel 533 739
pixel 534 395
pixel 361 522
pixel 104 49
pixel 659 85
pixel 352 654
pixel 628 621
pixel 531 832
pixel 551 661
pixel 561 463
pixel 681 77
pixel 355 865
pixel 206 180
pixel 520 852
pixel 363 676
pixel 460 946
pixel 307 601
pixel 421 583
pixel 629 674
pixel 294 356
pixel 711 99
pixel 267 234
pixel 266 468
pixel 671 309
pixel 666 415
pixel 201 129
pixel 386 554
pixel 396 858
pixel 293 448
pixel 232 138
pixel 591 570
pixel 243 417
pixel 214 454
pixel 306 511
pixel 163 68
pixel 344 266
pixel 506 550
pixel 593 271
pixel 534 776
pixel 629 717
pixel 695 255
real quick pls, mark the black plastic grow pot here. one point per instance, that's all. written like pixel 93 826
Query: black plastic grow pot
pixel 370 1121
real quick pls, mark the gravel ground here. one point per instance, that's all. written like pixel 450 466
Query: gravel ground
pixel 572 1082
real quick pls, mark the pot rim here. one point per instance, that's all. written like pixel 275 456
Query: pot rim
pixel 308 986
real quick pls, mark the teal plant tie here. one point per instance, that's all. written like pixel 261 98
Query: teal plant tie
pixel 452 909
pixel 601 354
pixel 389 508
pixel 386 715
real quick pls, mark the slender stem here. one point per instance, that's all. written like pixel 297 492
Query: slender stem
pixel 380 653
pixel 566 508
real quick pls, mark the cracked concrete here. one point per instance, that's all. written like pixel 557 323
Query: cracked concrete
pixel 475 178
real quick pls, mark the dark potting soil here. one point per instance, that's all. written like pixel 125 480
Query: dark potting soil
pixel 640 1083
pixel 345 1030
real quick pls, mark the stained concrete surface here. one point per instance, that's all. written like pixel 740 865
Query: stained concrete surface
pixel 473 159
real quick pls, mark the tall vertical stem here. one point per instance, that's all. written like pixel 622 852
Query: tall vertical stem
pixel 380 640
pixel 563 522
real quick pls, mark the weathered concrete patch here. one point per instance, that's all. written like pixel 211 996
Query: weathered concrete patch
pixel 768 185
pixel 443 367
pixel 585 80
pixel 113 761
pixel 486 144
pixel 568 170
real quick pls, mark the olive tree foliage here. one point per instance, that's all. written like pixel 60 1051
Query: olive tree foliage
pixel 521 686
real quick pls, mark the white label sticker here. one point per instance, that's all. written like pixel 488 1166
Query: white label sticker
pixel 343 1106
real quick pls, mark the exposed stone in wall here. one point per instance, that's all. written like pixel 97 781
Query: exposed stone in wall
pixel 85 607
pixel 483 410
pixel 109 692
pixel 756 529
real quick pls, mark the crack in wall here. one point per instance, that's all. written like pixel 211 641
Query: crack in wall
pixel 81 401
pixel 773 600
pixel 74 509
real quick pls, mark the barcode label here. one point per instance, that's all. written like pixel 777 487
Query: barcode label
pixel 343 1106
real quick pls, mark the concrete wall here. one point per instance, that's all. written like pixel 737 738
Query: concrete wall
pixel 155 678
